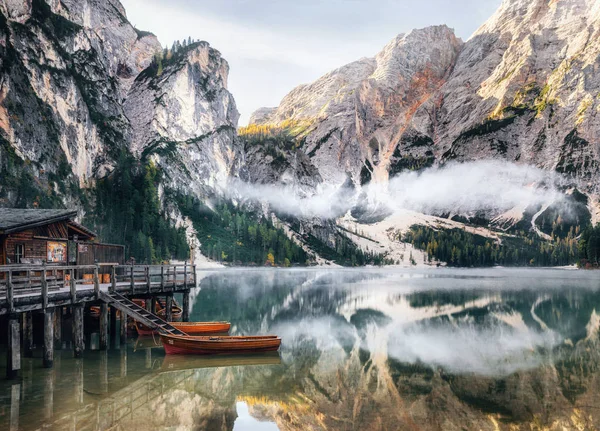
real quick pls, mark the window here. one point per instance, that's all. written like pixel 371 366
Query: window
pixel 19 252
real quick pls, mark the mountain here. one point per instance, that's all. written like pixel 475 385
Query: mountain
pixel 143 140
pixel 524 88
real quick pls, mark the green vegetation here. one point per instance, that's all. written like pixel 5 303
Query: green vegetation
pixel 128 212
pixel 460 248
pixel 232 235
pixel 589 247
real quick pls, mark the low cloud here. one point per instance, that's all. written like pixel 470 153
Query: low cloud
pixel 457 188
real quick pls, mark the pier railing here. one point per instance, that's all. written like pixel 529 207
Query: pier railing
pixel 35 284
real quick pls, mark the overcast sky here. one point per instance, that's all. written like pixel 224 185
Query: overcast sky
pixel 274 45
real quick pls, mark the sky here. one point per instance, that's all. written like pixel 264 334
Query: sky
pixel 273 46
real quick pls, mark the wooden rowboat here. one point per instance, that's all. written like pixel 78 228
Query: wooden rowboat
pixel 190 328
pixel 183 345
pixel 176 313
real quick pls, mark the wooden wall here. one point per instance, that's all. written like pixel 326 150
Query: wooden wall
pixel 35 248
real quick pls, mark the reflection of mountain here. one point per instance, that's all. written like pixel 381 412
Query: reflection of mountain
pixel 453 358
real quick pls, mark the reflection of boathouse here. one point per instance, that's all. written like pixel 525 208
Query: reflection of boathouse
pixel 37 236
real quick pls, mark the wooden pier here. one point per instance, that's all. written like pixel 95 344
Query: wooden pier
pixel 47 289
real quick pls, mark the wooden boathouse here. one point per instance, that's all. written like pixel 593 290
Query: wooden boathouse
pixel 52 265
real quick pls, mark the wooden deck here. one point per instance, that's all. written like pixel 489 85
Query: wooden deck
pixel 28 288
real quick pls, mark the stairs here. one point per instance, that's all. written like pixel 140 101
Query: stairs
pixel 138 313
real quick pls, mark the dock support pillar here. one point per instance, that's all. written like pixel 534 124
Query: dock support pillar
pixel 58 314
pixel 78 345
pixel 103 326
pixel 169 308
pixel 186 306
pixel 48 337
pixel 13 354
pixel 28 335
pixel 123 328
pixel 152 305
pixel 113 327
pixel 123 362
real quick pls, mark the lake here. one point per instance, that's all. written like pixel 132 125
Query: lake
pixel 363 349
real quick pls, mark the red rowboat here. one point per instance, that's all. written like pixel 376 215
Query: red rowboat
pixel 190 328
pixel 182 345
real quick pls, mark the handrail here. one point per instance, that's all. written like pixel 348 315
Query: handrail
pixel 26 267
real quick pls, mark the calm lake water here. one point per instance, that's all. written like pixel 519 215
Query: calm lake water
pixel 362 350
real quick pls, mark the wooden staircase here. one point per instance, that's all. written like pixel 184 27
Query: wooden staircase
pixel 138 313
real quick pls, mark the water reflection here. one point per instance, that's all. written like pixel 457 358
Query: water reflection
pixel 368 350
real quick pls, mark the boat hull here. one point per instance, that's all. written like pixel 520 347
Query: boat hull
pixel 190 328
pixel 203 345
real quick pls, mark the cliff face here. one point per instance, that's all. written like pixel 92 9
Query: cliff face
pixel 359 112
pixel 79 86
pixel 186 119
pixel 524 89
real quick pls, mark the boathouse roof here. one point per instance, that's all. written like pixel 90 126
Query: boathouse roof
pixel 16 219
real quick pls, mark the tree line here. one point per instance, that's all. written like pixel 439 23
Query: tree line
pixel 589 247
pixel 232 235
pixel 458 247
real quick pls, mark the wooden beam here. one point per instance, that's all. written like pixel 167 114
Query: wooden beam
pixel 58 315
pixel 113 327
pixel 103 326
pixel 78 344
pixel 27 334
pixel 13 354
pixel 169 308
pixel 48 338
pixel 186 306
pixel 123 329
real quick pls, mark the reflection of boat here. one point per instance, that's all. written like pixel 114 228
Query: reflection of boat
pixel 190 328
pixel 182 345
pixel 187 363
pixel 142 343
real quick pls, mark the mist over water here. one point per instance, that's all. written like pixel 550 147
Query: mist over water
pixel 490 186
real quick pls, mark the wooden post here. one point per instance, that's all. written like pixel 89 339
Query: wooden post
pixel 13 354
pixel 103 326
pixel 169 308
pixel 28 334
pixel 162 278
pixel 195 276
pixel 44 288
pixel 185 284
pixel 113 327
pixel 48 338
pixel 113 286
pixel 123 328
pixel 78 345
pixel 10 293
pixel 132 281
pixel 186 306
pixel 58 328
pixel 73 285
pixel 147 274
pixel 152 305
pixel 148 304
pixel 97 281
